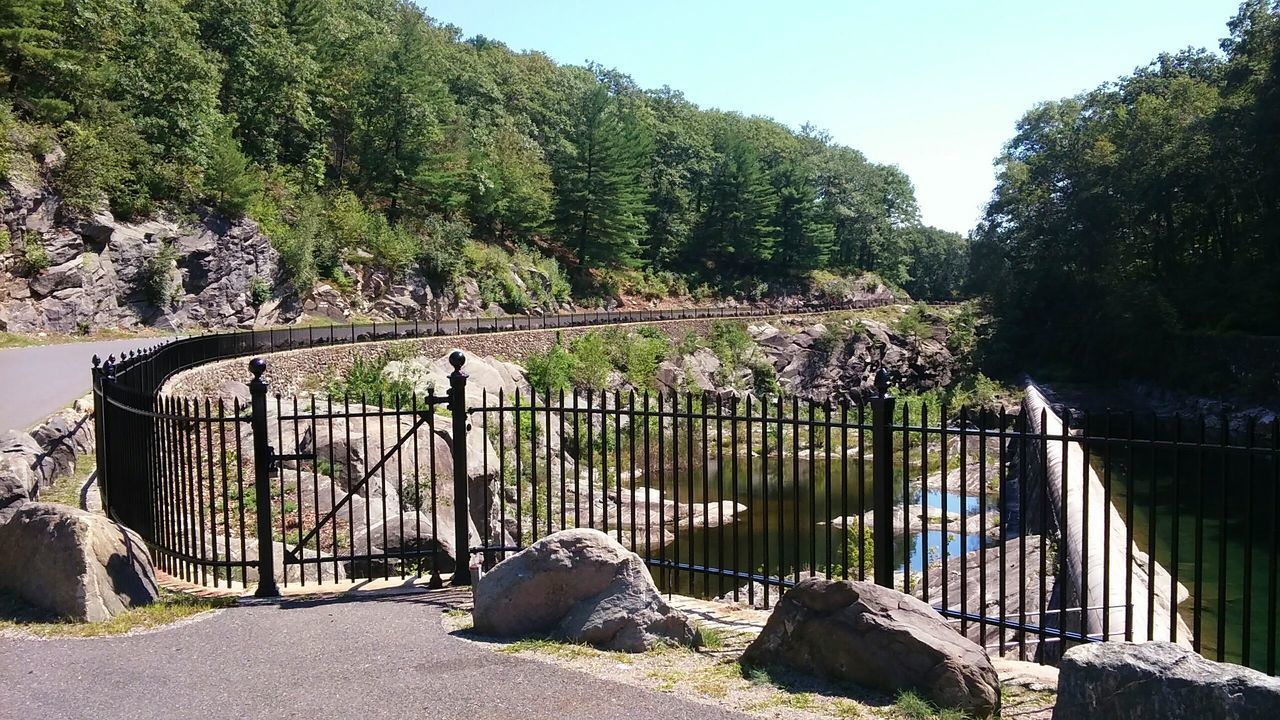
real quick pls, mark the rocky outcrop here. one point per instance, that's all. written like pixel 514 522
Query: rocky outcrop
pixel 839 362
pixel 73 563
pixel 879 639
pixel 94 272
pixel 1159 680
pixel 579 586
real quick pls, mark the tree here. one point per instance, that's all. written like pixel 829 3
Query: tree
pixel 510 185
pixel 39 66
pixel 735 236
pixel 229 181
pixel 402 126
pixel 939 264
pixel 804 239
pixel 601 197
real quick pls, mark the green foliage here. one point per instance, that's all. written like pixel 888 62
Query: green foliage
pixel 228 180
pixel 1112 204
pixel 861 551
pixel 394 247
pixel 976 390
pixel 736 232
pixel 602 201
pixel 550 371
pixel 34 255
pixel 444 248
pixel 915 322
pixel 593 360
pixel 368 133
pixel 157 276
pixel 259 291
pixel 367 382
pixel 638 354
pixel 8 148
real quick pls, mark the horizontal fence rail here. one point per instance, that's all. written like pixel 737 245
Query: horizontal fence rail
pixel 1031 529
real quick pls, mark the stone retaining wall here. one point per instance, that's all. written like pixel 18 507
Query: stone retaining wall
pixel 287 370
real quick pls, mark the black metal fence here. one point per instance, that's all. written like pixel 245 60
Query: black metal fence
pixel 1030 530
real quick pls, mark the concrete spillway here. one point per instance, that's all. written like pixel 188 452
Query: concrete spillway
pixel 1121 589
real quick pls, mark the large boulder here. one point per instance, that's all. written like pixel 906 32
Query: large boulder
pixel 74 563
pixel 580 586
pixel 877 638
pixel 17 485
pixel 1159 680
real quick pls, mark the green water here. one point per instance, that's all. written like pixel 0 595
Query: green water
pixel 1213 519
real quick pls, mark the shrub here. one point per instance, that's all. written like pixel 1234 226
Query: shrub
pixel 637 355
pixel 550 371
pixel 444 244
pixel 394 248
pixel 976 390
pixel 854 543
pixel 7 147
pixel 259 291
pixel 157 276
pixel 702 292
pixel 366 380
pixel 592 363
pixel 730 342
pixel 914 323
pixel 34 255
pixel 764 379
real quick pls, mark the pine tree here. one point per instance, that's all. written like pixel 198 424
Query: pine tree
pixel 602 199
pixel 403 125
pixel 228 180
pixel 736 233
pixel 39 68
pixel 804 241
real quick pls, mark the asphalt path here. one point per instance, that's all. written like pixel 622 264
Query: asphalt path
pixel 370 658
pixel 39 380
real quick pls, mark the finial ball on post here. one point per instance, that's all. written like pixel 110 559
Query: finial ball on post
pixel 257 366
pixel 457 359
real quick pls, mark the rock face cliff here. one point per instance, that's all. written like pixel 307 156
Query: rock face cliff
pixel 63 273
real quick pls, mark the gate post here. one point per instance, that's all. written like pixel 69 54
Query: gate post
pixel 882 480
pixel 262 479
pixel 458 411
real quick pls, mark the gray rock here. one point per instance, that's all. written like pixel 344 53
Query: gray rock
pixel 23 451
pixel 17 486
pixel 1159 680
pixel 877 638
pixel 64 437
pixel 580 586
pixel 74 563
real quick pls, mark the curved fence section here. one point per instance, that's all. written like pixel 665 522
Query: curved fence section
pixel 1029 529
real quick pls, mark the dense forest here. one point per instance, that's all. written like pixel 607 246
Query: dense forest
pixel 1139 224
pixel 364 131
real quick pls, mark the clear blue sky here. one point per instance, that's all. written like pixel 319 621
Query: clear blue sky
pixel 933 86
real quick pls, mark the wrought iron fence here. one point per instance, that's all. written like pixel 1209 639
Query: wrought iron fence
pixel 1031 530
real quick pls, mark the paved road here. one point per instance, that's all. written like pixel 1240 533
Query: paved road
pixel 37 381
pixel 364 658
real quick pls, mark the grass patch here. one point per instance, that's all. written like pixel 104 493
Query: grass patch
pixel 64 490
pixel 18 615
pixel 911 706
pixel 554 648
pixel 712 637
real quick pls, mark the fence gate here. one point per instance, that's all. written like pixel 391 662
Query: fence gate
pixel 360 487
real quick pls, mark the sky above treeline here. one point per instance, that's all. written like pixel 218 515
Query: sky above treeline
pixel 933 86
